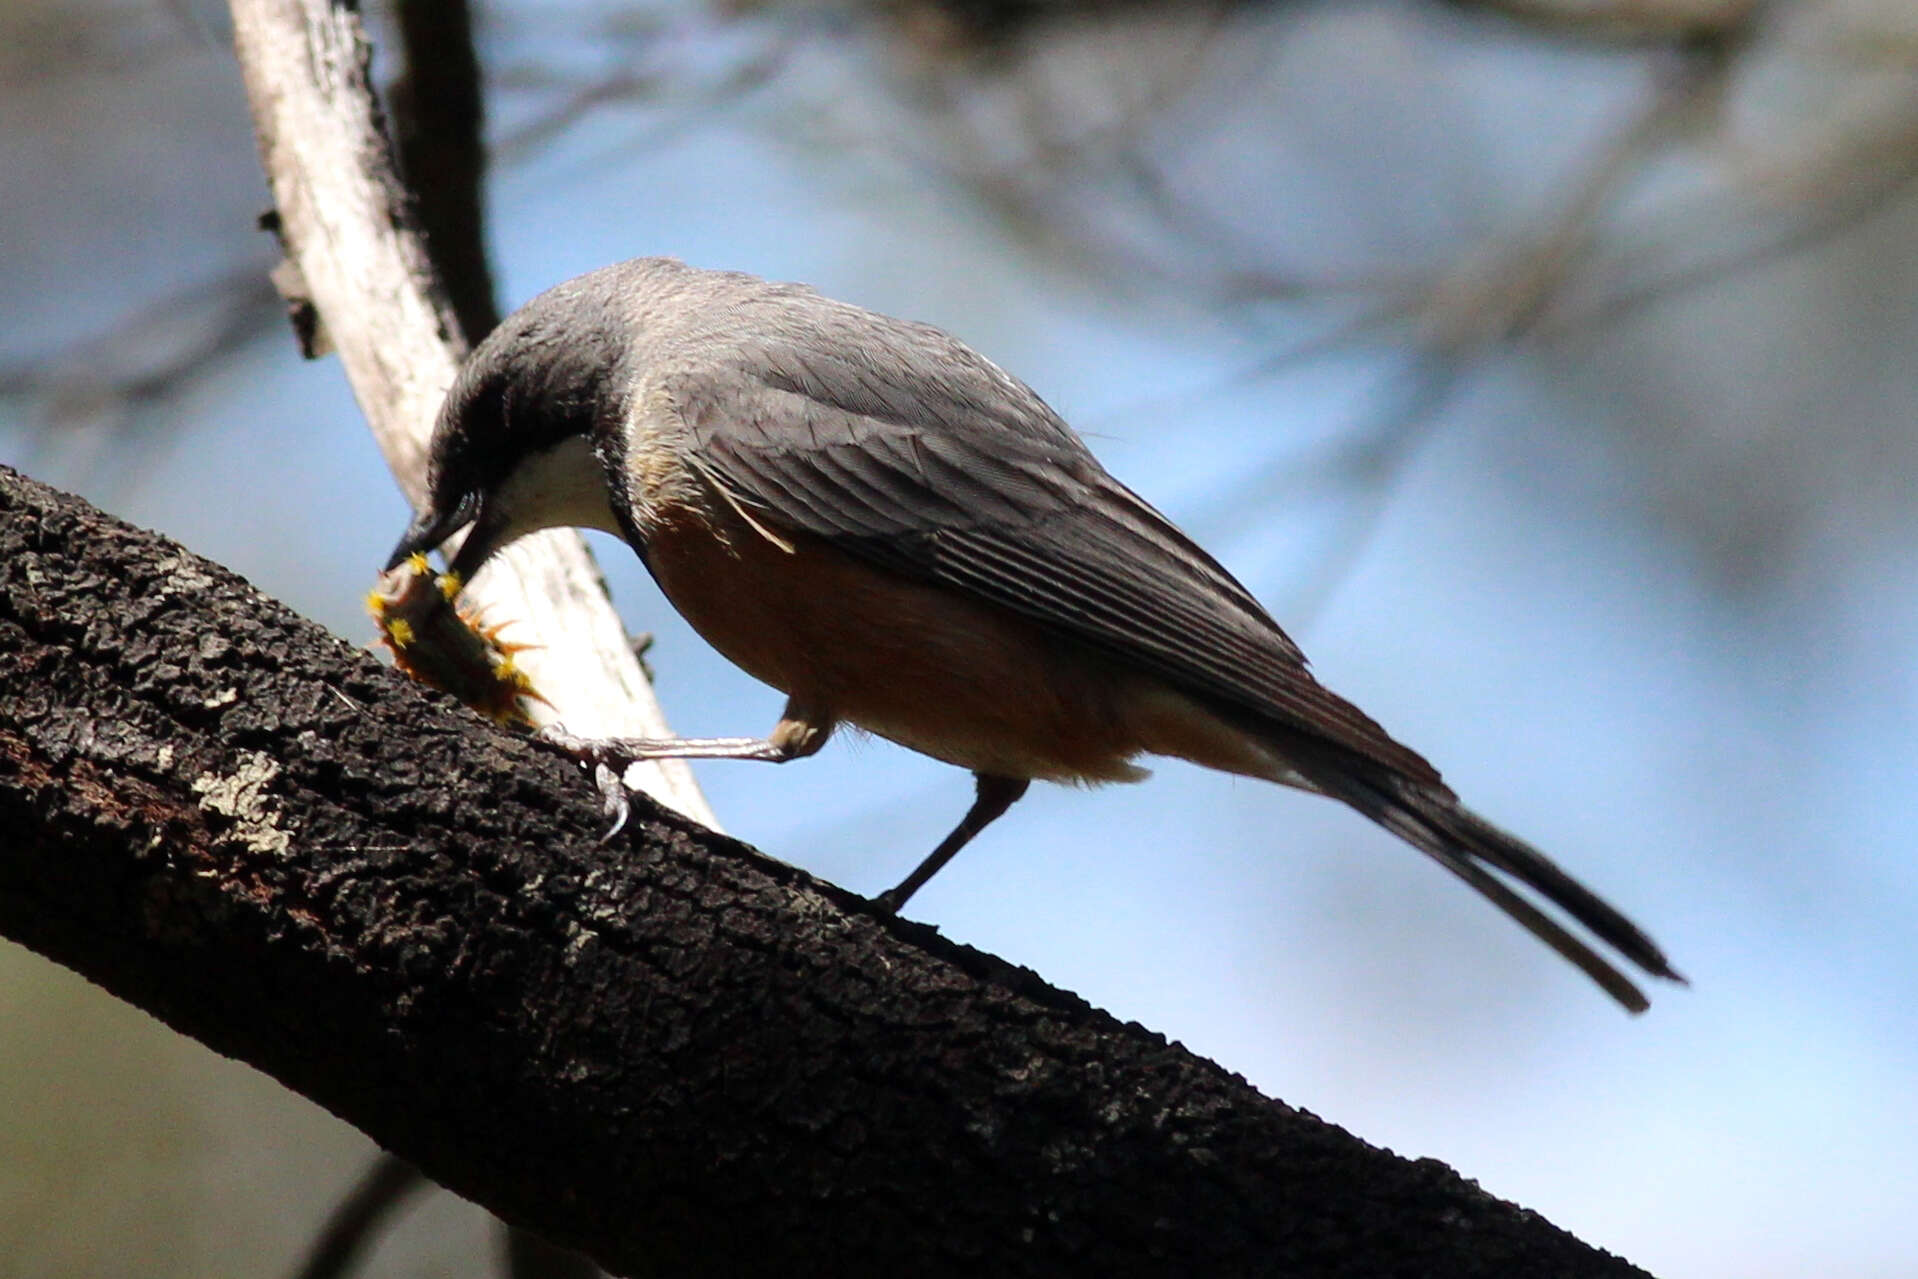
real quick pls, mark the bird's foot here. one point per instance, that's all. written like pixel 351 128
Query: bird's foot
pixel 602 757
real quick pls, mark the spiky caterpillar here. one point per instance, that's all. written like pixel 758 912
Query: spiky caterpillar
pixel 444 647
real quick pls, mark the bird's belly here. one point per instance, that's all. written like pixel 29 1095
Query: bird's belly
pixel 927 667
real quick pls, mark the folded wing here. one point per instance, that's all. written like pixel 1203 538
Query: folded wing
pixel 959 474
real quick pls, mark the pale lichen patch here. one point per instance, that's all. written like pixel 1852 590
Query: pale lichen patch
pixel 181 575
pixel 242 796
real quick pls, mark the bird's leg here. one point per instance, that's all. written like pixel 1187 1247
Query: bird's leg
pixel 615 751
pixel 996 795
pixel 798 733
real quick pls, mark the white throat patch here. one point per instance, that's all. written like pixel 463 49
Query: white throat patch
pixel 563 487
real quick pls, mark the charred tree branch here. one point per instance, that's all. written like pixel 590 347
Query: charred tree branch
pixel 669 1052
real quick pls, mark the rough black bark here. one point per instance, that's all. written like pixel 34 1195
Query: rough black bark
pixel 670 1052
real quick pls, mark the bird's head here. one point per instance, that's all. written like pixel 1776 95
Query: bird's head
pixel 513 448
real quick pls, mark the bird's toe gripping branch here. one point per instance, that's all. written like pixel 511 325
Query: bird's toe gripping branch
pixel 608 758
pixel 602 758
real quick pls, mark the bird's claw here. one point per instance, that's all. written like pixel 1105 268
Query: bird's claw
pixel 607 766
pixel 612 793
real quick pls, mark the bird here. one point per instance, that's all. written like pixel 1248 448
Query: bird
pixel 880 523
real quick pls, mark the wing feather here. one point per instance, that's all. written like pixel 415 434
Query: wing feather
pixel 967 479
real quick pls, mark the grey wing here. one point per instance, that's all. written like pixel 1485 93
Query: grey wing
pixel 961 475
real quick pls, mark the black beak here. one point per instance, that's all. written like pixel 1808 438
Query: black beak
pixel 431 527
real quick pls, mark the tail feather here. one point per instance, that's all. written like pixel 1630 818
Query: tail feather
pixel 1432 820
pixel 1534 869
pixel 1419 808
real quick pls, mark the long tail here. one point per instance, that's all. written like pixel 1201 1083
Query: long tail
pixel 1431 819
